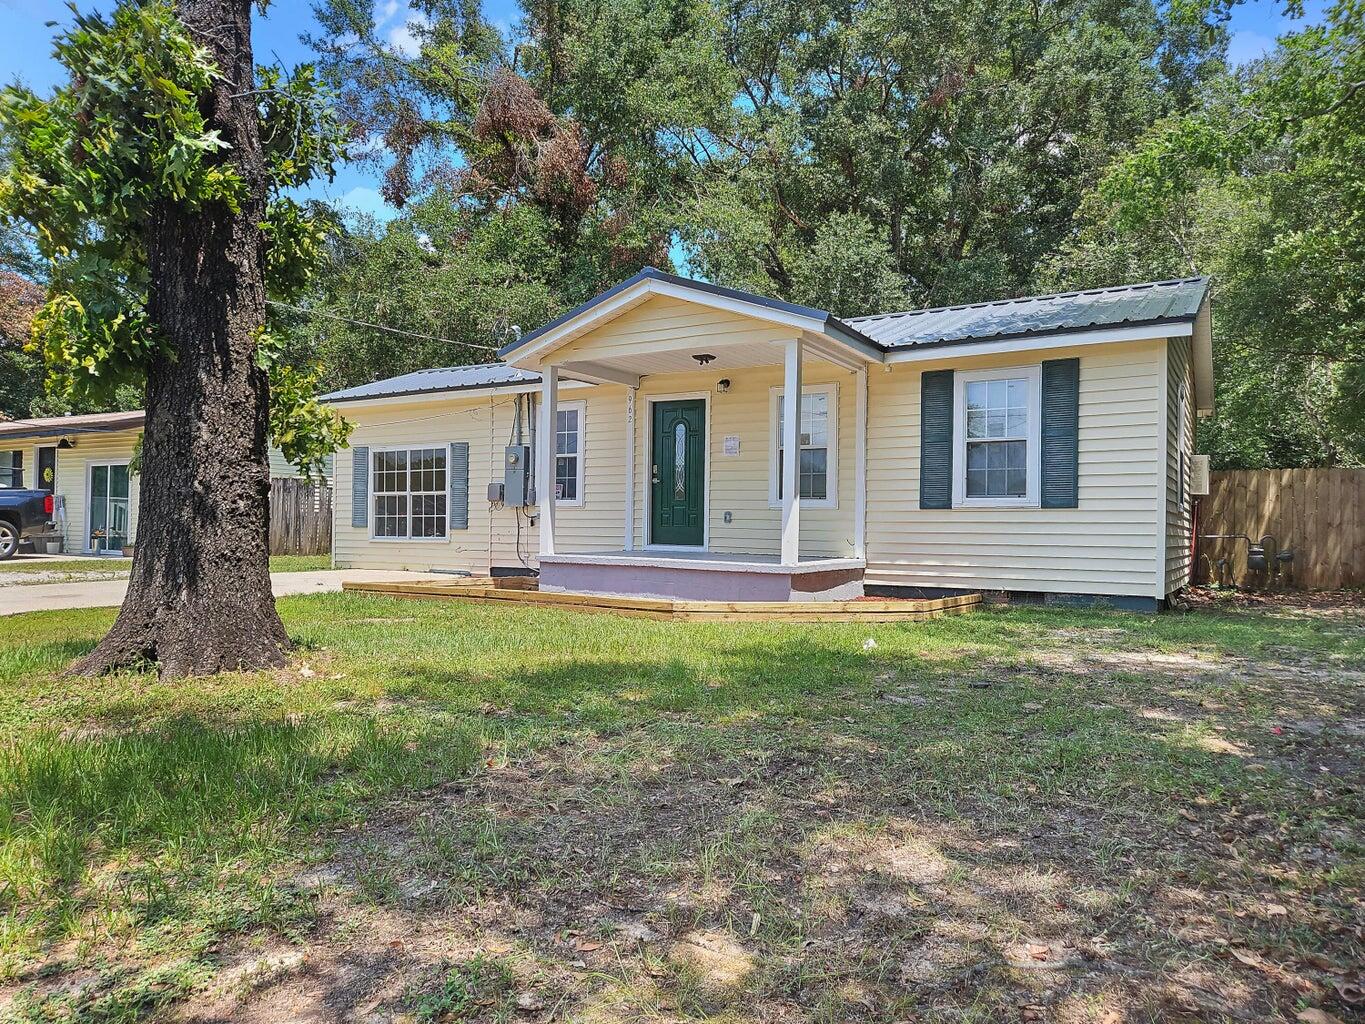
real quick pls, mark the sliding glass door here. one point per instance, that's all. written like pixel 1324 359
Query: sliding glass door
pixel 108 507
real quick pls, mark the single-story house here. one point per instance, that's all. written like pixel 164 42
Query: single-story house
pixel 1035 446
pixel 83 460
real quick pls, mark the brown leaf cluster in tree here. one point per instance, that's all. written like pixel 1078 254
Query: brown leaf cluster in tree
pixel 19 300
pixel 511 109
pixel 561 181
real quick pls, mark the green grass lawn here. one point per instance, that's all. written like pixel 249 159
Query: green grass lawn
pixel 448 812
pixel 77 568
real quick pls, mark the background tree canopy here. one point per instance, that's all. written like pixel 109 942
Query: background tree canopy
pixel 858 155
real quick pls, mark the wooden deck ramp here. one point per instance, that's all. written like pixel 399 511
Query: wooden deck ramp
pixel 514 591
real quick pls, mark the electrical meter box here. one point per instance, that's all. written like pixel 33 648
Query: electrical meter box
pixel 516 476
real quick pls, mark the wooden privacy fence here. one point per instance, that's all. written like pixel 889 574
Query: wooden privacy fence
pixel 1316 513
pixel 300 517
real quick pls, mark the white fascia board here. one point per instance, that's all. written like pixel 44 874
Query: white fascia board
pixel 1201 352
pixel 1064 339
pixel 532 355
pixel 600 373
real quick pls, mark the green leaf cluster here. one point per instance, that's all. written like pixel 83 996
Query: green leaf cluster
pixel 89 167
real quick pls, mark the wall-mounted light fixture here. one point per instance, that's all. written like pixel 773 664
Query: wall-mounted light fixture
pixel 66 444
pixel 723 385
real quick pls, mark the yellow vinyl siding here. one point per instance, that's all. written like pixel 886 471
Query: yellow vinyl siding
pixel 659 321
pixel 1179 436
pixel 1107 545
pixel 741 484
pixel 501 537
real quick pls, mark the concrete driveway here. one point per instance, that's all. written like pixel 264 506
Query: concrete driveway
pixel 109 593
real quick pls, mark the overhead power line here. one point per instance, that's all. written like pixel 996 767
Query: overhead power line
pixel 379 327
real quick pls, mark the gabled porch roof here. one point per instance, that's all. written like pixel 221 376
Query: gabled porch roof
pixel 818 326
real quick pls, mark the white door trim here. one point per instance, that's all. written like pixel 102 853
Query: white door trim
pixel 682 396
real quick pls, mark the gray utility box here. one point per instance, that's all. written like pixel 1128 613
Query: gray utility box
pixel 516 475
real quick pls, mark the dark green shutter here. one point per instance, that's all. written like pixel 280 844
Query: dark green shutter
pixel 360 487
pixel 936 439
pixel 458 472
pixel 1061 423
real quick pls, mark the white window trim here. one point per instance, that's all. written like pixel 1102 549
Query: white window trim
pixel 648 456
pixel 582 408
pixel 1034 468
pixel 373 493
pixel 831 498
pixel 90 467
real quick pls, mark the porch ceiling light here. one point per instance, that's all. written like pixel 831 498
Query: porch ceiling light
pixel 704 358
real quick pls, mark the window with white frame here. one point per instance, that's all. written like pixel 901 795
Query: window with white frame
pixel 569 453
pixel 410 493
pixel 11 469
pixel 818 434
pixel 996 429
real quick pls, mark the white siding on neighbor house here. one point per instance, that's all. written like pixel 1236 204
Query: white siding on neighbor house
pixel 282 467
pixel 1107 545
pixel 1179 437
pixel 73 465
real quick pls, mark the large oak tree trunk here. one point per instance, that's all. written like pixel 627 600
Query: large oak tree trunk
pixel 199 597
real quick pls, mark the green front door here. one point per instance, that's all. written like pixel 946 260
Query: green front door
pixel 678 477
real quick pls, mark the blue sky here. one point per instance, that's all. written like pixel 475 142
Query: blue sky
pixel 26 54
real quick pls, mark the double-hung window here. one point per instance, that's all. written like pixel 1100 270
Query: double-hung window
pixel 410 493
pixel 12 469
pixel 818 461
pixel 996 429
pixel 569 453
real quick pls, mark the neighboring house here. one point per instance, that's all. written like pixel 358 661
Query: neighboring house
pixel 1033 446
pixel 84 461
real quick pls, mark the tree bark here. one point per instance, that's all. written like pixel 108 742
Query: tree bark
pixel 199 598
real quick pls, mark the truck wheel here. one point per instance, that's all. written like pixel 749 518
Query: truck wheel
pixel 9 540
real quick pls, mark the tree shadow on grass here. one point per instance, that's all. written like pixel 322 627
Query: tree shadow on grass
pixel 832 854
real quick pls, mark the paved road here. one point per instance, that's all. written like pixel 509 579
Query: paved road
pixel 109 593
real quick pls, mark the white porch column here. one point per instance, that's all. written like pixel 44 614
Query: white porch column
pixel 631 394
pixel 860 464
pixel 791 454
pixel 545 456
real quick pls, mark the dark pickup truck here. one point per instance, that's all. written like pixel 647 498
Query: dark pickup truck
pixel 23 514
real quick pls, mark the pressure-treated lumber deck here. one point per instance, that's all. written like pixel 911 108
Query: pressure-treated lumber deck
pixel 521 591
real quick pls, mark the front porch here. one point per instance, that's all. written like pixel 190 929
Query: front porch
pixel 743 449
pixel 703 576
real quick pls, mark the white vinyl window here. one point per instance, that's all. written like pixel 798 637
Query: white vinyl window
pixel 569 418
pixel 996 421
pixel 819 459
pixel 410 493
pixel 11 469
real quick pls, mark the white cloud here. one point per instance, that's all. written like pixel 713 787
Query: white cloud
pixel 367 200
pixel 1248 46
pixel 383 11
pixel 403 38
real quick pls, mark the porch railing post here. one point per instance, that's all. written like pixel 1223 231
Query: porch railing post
pixel 791 454
pixel 860 466
pixel 545 456
pixel 631 394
